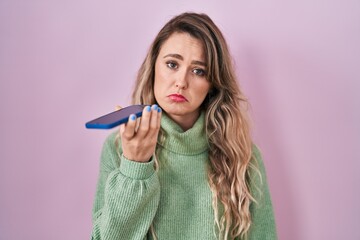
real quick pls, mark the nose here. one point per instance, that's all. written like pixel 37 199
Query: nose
pixel 181 81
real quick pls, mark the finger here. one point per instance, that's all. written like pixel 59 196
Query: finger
pixel 122 129
pixel 138 120
pixel 144 122
pixel 118 107
pixel 129 128
pixel 155 120
pixel 159 118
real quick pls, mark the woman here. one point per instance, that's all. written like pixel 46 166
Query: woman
pixel 188 168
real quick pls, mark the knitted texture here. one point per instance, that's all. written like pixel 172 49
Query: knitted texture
pixel 176 199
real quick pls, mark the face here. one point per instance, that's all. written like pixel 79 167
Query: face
pixel 180 84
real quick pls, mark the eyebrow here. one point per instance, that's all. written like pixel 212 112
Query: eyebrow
pixel 178 56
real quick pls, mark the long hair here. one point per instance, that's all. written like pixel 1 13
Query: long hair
pixel 227 124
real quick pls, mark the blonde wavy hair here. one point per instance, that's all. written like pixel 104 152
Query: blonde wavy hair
pixel 227 124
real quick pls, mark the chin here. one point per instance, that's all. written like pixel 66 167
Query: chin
pixel 181 111
pixel 176 110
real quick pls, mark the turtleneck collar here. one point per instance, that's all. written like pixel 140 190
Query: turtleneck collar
pixel 191 142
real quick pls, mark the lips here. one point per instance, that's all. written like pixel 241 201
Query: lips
pixel 177 97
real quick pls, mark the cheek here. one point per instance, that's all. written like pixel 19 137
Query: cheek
pixel 158 83
pixel 161 77
pixel 158 73
pixel 203 89
pixel 157 88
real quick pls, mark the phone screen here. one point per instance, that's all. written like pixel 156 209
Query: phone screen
pixel 115 118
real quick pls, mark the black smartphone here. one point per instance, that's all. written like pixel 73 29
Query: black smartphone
pixel 116 118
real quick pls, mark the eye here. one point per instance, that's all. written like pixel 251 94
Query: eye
pixel 172 64
pixel 199 71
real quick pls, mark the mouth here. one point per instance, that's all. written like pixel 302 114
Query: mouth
pixel 177 97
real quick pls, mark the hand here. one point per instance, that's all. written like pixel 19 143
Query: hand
pixel 139 142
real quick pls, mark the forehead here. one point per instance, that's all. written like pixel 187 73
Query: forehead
pixel 185 45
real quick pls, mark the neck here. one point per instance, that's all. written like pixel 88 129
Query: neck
pixel 185 121
pixel 190 142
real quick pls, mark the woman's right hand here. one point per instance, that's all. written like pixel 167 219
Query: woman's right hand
pixel 139 142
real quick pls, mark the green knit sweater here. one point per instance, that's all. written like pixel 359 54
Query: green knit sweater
pixel 176 199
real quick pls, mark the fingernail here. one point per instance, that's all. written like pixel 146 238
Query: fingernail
pixel 132 117
pixel 155 107
pixel 159 110
pixel 148 108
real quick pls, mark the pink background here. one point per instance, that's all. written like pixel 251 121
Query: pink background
pixel 63 63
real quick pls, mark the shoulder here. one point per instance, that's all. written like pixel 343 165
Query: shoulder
pixel 263 221
pixel 256 173
pixel 257 160
pixel 110 139
pixel 111 150
pixel 110 142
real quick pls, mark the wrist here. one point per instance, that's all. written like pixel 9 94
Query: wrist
pixel 136 159
pixel 135 169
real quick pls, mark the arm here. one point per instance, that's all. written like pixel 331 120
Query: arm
pixel 263 223
pixel 127 196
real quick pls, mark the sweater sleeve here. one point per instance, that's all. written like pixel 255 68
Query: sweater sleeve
pixel 263 222
pixel 127 196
